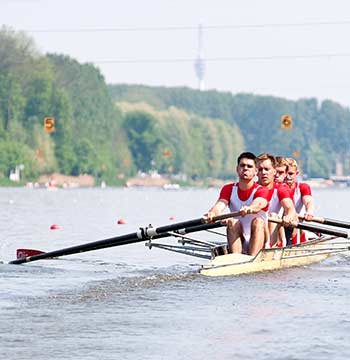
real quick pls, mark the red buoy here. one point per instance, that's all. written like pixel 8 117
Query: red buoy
pixel 54 227
pixel 121 221
pixel 172 217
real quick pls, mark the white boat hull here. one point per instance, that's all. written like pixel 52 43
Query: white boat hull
pixel 272 259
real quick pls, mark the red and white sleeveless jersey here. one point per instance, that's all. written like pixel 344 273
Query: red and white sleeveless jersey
pixel 298 192
pixel 277 194
pixel 236 198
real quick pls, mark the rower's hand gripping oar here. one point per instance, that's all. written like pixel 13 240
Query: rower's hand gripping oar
pixel 327 221
pixel 142 234
pixel 314 228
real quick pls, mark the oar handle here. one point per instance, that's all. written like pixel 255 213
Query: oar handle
pixel 199 228
pixel 327 221
pixel 314 228
pixel 225 216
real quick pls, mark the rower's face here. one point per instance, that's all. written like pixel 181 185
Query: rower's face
pixel 246 169
pixel 292 174
pixel 266 172
pixel 281 173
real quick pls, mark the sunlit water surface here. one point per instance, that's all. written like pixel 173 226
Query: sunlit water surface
pixel 132 303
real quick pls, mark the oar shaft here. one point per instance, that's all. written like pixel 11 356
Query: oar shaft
pixel 124 239
pixel 331 222
pixel 323 230
pixel 141 235
pixel 202 227
pixel 186 230
pixel 314 228
pixel 196 222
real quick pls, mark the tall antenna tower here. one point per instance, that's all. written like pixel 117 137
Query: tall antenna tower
pixel 199 64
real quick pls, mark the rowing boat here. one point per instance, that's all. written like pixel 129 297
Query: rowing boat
pixel 312 251
pixel 275 258
pixel 220 263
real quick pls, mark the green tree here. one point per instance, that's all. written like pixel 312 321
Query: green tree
pixel 333 130
pixel 86 157
pixel 143 138
pixel 12 155
pixel 318 165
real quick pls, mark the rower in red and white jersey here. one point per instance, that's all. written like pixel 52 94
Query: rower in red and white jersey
pixel 278 193
pixel 281 166
pixel 300 193
pixel 246 233
pixel 302 196
pixel 279 198
pixel 281 169
pixel 237 198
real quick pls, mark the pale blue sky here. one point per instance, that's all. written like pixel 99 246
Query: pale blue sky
pixel 308 58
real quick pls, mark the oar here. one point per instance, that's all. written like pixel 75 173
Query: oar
pixel 327 221
pixel 314 228
pixel 141 235
pixel 22 253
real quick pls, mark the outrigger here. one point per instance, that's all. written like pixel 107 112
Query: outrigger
pixel 220 264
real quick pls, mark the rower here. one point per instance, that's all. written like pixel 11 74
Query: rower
pixel 279 199
pixel 301 194
pixel 281 169
pixel 246 233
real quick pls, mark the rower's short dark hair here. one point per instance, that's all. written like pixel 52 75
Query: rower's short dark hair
pixel 246 155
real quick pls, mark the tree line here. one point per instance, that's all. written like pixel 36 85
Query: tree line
pixel 93 134
pixel 113 131
pixel 318 138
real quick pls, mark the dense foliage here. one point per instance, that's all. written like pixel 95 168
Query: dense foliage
pixel 318 138
pixel 174 141
pixel 111 132
pixel 92 134
pixel 88 136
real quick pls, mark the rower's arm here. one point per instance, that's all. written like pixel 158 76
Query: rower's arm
pixel 309 206
pixel 257 204
pixel 290 215
pixel 217 209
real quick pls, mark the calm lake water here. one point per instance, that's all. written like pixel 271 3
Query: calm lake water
pixel 132 303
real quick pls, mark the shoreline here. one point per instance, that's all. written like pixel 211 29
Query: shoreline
pixel 153 180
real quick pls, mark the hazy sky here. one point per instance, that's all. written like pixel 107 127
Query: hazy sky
pixel 291 49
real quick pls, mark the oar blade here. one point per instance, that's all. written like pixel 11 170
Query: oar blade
pixel 23 253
